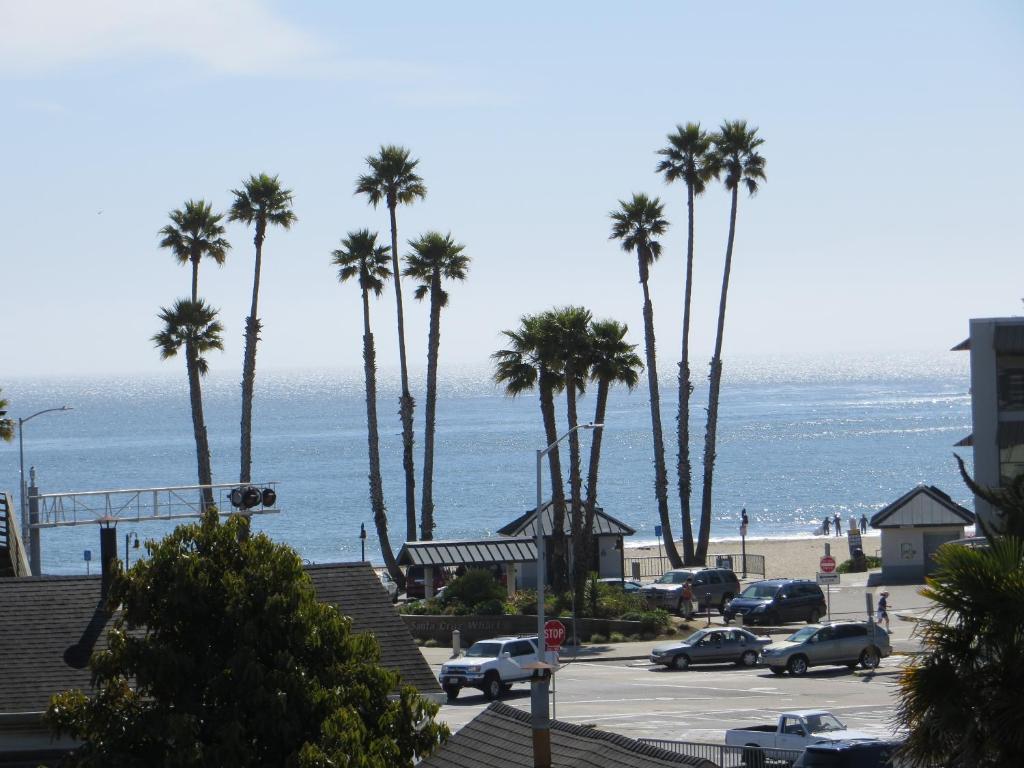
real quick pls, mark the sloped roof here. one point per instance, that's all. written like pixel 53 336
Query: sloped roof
pixel 49 627
pixel 502 737
pixel 604 524
pixel 940 511
pixel 480 552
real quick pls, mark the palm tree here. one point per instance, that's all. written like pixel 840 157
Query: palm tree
pixel 636 223
pixel 6 425
pixel 570 327
pixel 687 158
pixel 735 155
pixel 531 360
pixel 194 326
pixel 393 180
pixel 433 256
pixel 261 201
pixel 360 257
pixel 959 699
pixel 193 233
pixel 612 361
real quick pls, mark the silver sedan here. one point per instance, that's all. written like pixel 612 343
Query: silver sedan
pixel 710 646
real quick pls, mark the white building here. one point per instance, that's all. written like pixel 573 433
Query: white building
pixel 996 345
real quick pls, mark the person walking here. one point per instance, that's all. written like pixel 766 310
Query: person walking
pixel 686 600
pixel 826 526
pixel 863 523
pixel 837 523
pixel 882 615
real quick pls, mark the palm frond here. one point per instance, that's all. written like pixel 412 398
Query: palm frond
pixel 392 178
pixel 261 201
pixel 360 256
pixel 637 222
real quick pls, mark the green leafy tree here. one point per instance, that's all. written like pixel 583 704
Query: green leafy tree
pixel 531 360
pixel 6 424
pixel 222 655
pixel 194 326
pixel 360 258
pixel 636 224
pixel 613 360
pixel 735 156
pixel 687 158
pixel 195 231
pixel 393 180
pixel 261 201
pixel 434 256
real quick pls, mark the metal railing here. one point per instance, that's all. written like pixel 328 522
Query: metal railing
pixel 10 541
pixel 652 567
pixel 729 757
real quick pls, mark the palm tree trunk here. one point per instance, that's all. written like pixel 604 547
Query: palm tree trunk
pixel 660 478
pixel 430 417
pixel 406 404
pixel 195 276
pixel 585 549
pixel 252 335
pixel 199 423
pixel 380 515
pixel 579 563
pixel 685 470
pixel 715 380
pixel 557 550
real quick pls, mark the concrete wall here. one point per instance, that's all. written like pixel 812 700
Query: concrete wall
pixel 904 552
pixel 475 628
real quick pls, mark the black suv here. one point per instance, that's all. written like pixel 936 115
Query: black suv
pixel 777 601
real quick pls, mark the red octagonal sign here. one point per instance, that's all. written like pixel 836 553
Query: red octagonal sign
pixel 827 564
pixel 554 634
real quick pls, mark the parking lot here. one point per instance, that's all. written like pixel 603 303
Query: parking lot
pixel 641 701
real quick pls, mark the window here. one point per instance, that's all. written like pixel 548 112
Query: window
pixel 851 630
pixel 521 648
pixel 1010 385
pixel 715 577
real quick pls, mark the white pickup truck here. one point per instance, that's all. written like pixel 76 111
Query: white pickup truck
pixel 794 731
pixel 492 666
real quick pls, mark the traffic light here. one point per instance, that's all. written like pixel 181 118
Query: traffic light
pixel 249 496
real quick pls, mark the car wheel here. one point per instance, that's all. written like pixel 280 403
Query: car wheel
pixel 726 618
pixel 869 658
pixel 725 601
pixel 681 662
pixel 748 659
pixel 506 687
pixel 772 619
pixel 452 692
pixel 753 757
pixel 797 666
pixel 492 686
pixel 777 670
pixel 813 616
pixel 851 665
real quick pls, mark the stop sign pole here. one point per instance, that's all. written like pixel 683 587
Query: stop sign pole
pixel 827 564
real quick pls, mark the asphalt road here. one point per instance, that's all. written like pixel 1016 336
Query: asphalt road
pixel 643 701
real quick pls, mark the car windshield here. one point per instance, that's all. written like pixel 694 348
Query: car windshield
pixel 487 650
pixel 824 723
pixel 760 590
pixel 672 578
pixel 695 637
pixel 802 634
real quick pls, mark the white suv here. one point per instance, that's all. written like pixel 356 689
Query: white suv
pixel 492 666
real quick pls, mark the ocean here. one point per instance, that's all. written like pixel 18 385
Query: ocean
pixel 799 439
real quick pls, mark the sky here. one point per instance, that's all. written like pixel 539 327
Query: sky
pixel 891 212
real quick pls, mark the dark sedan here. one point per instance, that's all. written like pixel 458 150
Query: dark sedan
pixel 710 646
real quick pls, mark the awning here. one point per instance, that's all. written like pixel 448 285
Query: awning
pixel 965 442
pixel 963 346
pixel 477 552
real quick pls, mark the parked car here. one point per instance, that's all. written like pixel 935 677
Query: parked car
pixel 389 585
pixel 629 586
pixel 709 646
pixel 841 642
pixel 415 578
pixel 851 754
pixel 777 601
pixel 711 587
pixel 793 731
pixel 492 666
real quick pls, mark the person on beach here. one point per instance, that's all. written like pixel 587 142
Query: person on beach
pixel 837 521
pixel 863 523
pixel 686 600
pixel 883 611
pixel 826 525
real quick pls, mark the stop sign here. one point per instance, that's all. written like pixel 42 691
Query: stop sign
pixel 827 564
pixel 554 634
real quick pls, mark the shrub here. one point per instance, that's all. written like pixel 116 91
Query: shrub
pixel 616 637
pixel 430 643
pixel 474 586
pixel 424 608
pixel 598 638
pixel 872 562
pixel 653 621
pixel 492 607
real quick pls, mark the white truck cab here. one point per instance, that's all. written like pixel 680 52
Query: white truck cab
pixel 492 666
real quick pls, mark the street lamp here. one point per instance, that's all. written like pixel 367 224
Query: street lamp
pixel 539 533
pixel 127 537
pixel 21 467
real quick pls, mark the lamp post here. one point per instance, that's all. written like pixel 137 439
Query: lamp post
pixel 362 542
pixel 539 533
pixel 127 537
pixel 25 530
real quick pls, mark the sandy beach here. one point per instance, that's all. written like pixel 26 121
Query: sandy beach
pixel 795 557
